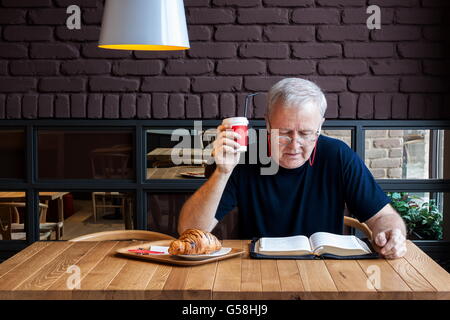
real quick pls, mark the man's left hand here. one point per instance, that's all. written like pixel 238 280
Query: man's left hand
pixel 391 243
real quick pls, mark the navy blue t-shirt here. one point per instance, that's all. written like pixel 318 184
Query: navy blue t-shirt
pixel 304 200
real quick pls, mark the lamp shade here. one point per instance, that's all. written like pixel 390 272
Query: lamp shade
pixel 144 25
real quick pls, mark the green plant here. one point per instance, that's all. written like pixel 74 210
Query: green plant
pixel 423 221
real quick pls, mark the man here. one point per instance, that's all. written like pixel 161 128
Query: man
pixel 317 177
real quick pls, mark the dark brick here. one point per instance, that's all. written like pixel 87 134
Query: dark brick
pixel 27 33
pixel 10 84
pixel 347 105
pixel 53 51
pixel 86 67
pixel 160 54
pixel 342 67
pixel 62 106
pixel 165 84
pixel 316 50
pixel 421 50
pixel 359 16
pixel 81 3
pixel 365 106
pixel 78 105
pixel 210 16
pixel 60 84
pixel 260 103
pixel 434 33
pixel 419 16
pixel 263 15
pixel 30 106
pixel 399 107
pixel 342 33
pixel 394 3
pixel 216 84
pixel 45 106
pixel 111 106
pixel 435 3
pixel 435 67
pixel 416 108
pixel 263 50
pixel 260 83
pixel 210 103
pixel 290 33
pixel 316 16
pixel 160 105
pixel 240 67
pixel 130 67
pixel 12 51
pixel 433 106
pixel 31 68
pixel 393 67
pixel 369 50
pixel 193 107
pixel 212 50
pixel 13 108
pixel 383 106
pixel 2 106
pixel 48 16
pixel 341 3
pixel 227 105
pixel 292 67
pixel 238 3
pixel 91 50
pixel 423 84
pixel 196 3
pixel 189 67
pixel 176 106
pixel 3 68
pixel 86 33
pixel 238 33
pixel 199 33
pixel 111 84
pixel 373 84
pixel 144 103
pixel 12 16
pixel 330 84
pixel 396 33
pixel 95 106
pixel 289 3
pixel 27 3
pixel 332 106
pixel 92 16
pixel 128 106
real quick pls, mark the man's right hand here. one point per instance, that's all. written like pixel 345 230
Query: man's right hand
pixel 225 149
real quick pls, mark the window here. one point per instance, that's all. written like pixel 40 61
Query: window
pixel 12 154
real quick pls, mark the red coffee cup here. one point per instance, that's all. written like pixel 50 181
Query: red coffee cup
pixel 239 125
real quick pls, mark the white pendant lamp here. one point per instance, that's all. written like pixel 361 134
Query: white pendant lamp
pixel 144 25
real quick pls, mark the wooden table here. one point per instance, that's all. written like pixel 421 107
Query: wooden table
pixel 173 172
pixel 40 272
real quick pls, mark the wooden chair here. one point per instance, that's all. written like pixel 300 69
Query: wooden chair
pixel 354 223
pixel 124 235
pixel 11 229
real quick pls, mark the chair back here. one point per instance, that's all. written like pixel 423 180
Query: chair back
pixel 124 235
pixel 9 214
pixel 354 223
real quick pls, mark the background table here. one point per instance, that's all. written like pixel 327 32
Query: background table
pixel 40 272
pixel 173 172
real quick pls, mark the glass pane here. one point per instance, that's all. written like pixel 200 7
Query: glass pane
pixel 12 215
pixel 343 135
pixel 407 154
pixel 178 153
pixel 74 214
pixel 12 154
pixel 85 155
pixel 426 214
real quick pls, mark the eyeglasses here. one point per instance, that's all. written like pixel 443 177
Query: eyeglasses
pixel 284 140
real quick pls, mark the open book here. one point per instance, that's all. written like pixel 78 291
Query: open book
pixel 319 243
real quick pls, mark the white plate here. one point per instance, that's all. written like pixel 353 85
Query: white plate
pixel 218 253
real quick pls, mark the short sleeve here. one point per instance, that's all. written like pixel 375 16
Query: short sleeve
pixel 363 196
pixel 229 200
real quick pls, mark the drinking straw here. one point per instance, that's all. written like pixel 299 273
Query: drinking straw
pixel 247 98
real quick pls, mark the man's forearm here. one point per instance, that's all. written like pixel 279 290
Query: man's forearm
pixel 199 210
pixel 389 221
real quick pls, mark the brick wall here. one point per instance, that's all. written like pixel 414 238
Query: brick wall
pixel 237 47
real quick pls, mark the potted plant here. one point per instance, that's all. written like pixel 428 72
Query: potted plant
pixel 423 220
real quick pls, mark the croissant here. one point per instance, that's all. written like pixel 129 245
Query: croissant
pixel 195 241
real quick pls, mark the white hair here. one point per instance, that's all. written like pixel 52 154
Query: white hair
pixel 296 92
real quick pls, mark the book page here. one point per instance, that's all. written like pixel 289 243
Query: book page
pixel 294 243
pixel 325 239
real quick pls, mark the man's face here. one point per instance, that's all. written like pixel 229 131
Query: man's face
pixel 294 123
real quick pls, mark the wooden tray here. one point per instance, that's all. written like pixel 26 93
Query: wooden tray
pixel 170 259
